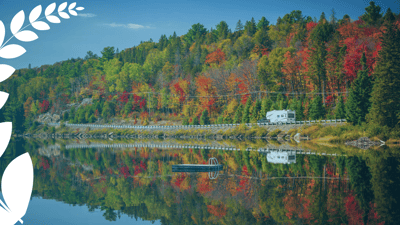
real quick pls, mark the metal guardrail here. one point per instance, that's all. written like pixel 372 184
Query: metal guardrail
pixel 193 126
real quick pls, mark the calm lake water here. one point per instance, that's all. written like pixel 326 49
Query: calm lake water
pixel 76 183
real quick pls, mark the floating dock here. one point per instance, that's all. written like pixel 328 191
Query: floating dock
pixel 196 168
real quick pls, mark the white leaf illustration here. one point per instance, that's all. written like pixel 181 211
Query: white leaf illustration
pixel 64 15
pixel 17 22
pixel 72 12
pixel 16 185
pixel 3 99
pixel 5 71
pixel 12 51
pixel 40 25
pixel 53 19
pixel 62 6
pixel 80 8
pixel 35 13
pixel 5 132
pixel 7 218
pixel 26 35
pixel 2 32
pixel 50 9
pixel 72 5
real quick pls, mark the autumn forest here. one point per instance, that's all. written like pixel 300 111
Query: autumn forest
pixel 323 68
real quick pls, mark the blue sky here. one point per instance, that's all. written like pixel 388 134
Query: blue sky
pixel 123 24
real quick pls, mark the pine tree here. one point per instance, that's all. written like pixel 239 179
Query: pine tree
pixel 317 109
pixel 358 103
pixel 385 100
pixel 195 121
pixel 228 120
pixel 255 116
pixel 246 111
pixel 204 119
pixel 340 110
pixel 265 107
pixel 220 120
pixel 239 26
pixel 299 111
pixel 238 114
pixel 372 14
pixel 185 121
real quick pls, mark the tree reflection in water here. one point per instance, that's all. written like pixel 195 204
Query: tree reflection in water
pixel 361 189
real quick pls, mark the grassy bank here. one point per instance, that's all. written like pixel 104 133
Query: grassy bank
pixel 347 132
pixel 317 132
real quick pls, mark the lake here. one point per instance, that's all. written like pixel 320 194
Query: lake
pixel 93 183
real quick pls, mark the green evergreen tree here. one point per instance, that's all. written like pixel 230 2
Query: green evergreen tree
pixel 274 106
pixel 92 119
pixel 358 102
pixel 195 121
pixel 292 104
pixel 14 112
pixel 220 119
pixel 250 27
pixel 255 116
pixel 265 107
pixel 185 121
pixel 128 108
pixel 263 23
pixel 317 109
pixel 385 100
pixel 108 53
pixel 299 111
pixel 246 112
pixel 204 119
pixel 238 114
pixel 372 14
pixel 71 113
pixel 340 110
pixel 228 120
pixel 239 27
pixel 389 16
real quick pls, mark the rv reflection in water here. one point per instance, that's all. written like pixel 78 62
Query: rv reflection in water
pixel 279 157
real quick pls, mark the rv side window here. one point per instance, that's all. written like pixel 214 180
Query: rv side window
pixel 278 116
pixel 283 115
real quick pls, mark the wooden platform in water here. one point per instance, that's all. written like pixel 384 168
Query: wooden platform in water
pixel 196 168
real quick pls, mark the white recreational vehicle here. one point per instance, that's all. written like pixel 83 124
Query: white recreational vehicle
pixel 281 116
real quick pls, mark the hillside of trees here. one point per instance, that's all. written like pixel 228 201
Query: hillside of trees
pixel 322 68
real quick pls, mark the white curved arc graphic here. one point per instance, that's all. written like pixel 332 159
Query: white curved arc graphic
pixel 16 185
pixel 17 181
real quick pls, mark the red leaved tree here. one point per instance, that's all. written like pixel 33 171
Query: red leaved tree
pixel 216 57
pixel 207 92
pixel 44 106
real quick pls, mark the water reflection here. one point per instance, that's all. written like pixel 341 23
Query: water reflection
pixel 280 156
pixel 254 187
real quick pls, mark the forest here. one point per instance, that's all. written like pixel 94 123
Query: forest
pixel 322 68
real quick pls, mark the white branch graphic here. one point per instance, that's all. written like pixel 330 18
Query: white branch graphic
pixel 17 181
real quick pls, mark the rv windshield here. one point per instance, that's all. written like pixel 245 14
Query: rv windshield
pixel 291 115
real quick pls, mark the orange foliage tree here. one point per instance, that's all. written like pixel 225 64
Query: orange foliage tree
pixel 217 57
pixel 179 92
pixel 218 211
pixel 247 80
pixel 206 90
pixel 290 69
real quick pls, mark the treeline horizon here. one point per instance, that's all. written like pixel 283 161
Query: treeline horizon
pixel 335 61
